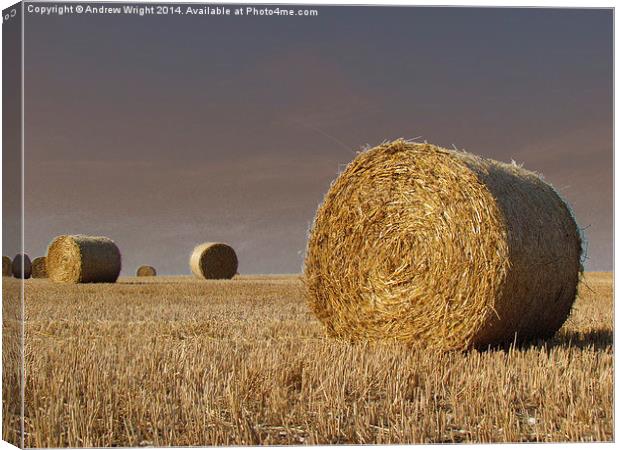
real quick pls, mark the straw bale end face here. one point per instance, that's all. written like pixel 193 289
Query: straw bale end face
pixel 422 244
pixel 39 267
pixel 146 271
pixel 213 261
pixel 83 259
pixel 6 266
pixel 21 266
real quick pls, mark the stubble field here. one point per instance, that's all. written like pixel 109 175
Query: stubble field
pixel 179 361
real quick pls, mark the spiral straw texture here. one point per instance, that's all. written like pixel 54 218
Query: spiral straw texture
pixel 422 244
pixel 146 271
pixel 39 269
pixel 6 266
pixel 213 260
pixel 83 259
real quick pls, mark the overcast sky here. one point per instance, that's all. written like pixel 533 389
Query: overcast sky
pixel 164 132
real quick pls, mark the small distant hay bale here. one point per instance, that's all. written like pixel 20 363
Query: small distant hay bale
pixel 16 266
pixel 39 269
pixel 442 248
pixel 146 271
pixel 213 261
pixel 83 259
pixel 6 266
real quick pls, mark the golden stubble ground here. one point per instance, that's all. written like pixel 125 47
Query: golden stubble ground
pixel 180 361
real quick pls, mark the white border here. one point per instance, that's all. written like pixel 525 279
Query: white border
pixel 448 3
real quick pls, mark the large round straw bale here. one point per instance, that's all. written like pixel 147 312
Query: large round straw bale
pixel 83 259
pixel 213 260
pixel 421 244
pixel 16 266
pixel 6 266
pixel 146 271
pixel 39 269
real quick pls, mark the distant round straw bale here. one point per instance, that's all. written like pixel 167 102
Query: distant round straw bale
pixel 214 260
pixel 422 244
pixel 16 266
pixel 6 266
pixel 83 259
pixel 146 271
pixel 39 269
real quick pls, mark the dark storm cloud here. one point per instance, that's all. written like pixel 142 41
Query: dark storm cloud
pixel 165 132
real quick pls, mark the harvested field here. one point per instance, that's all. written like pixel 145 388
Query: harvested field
pixel 181 361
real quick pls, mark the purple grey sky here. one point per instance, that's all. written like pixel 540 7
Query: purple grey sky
pixel 164 132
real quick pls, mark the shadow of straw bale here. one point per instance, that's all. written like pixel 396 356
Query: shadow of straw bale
pixel 600 339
